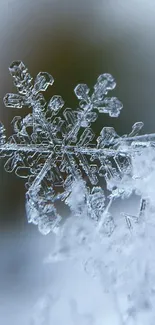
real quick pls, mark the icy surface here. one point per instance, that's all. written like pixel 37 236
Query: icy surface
pixel 102 279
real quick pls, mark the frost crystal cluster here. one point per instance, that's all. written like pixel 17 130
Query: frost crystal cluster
pixel 56 150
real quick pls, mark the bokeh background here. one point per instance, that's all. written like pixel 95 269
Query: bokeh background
pixel 75 41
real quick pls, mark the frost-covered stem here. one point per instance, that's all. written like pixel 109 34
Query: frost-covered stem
pixel 36 184
pixel 99 225
pixel 13 147
pixel 76 127
pixel 39 119
pixel 70 150
pixel 142 209
pixel 107 152
pixel 145 137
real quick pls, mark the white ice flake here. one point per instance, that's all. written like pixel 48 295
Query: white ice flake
pixel 56 150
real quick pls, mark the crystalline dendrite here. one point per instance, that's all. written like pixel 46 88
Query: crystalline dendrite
pixel 53 149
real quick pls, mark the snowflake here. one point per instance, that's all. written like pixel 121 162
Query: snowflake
pixel 56 150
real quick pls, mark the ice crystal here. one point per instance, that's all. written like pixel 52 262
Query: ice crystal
pixel 56 150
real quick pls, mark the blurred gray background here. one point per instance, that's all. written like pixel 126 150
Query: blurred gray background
pixel 75 41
